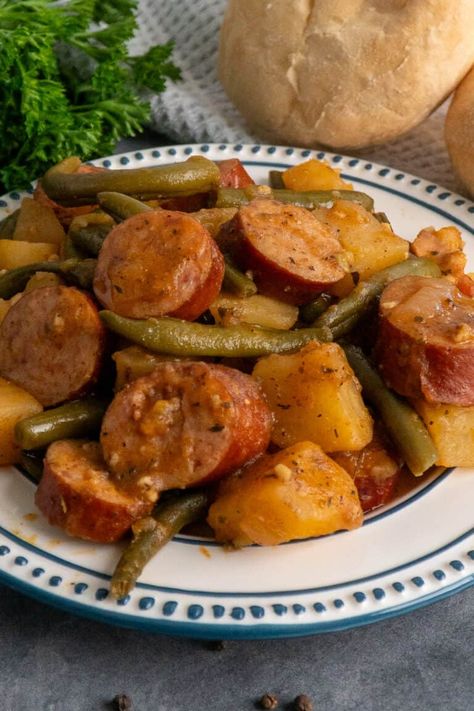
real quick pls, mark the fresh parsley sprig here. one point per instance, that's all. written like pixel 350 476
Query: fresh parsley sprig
pixel 68 85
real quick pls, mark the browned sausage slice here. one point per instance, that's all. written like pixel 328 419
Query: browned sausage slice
pixel 154 263
pixel 52 343
pixel 77 494
pixel 184 424
pixel 204 297
pixel 425 345
pixel 291 253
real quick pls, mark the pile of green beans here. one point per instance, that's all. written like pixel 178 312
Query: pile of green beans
pixel 195 175
pixel 153 532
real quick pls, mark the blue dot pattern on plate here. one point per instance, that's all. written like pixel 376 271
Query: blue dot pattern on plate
pixel 280 609
pixel 418 581
pixel 237 613
pixel 299 609
pixel 169 608
pixel 457 565
pixel 4 550
pixel 55 581
pixel 79 588
pixel 122 601
pixel 195 612
pixel 21 560
pixel 338 603
pixel 439 574
pixel 398 587
pixel 257 611
pixel 146 603
pixel 360 596
pixel 319 607
pixel 101 594
pixel 378 593
pixel 38 572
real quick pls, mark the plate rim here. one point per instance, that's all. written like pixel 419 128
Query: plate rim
pixel 260 629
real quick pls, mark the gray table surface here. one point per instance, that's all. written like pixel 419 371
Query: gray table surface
pixel 52 661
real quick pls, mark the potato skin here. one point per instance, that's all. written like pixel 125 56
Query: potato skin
pixel 315 395
pixel 294 494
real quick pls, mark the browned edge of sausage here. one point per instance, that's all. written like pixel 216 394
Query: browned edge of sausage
pixel 184 424
pixel 77 494
pixel 203 298
pixel 52 343
pixel 425 344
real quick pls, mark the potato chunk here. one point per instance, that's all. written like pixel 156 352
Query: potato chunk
pixel 452 429
pixel 296 493
pixel 15 405
pixel 229 310
pixel 314 175
pixel 38 223
pixel 314 395
pixel 15 253
pixel 370 244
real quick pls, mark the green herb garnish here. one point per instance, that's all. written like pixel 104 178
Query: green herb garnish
pixel 67 84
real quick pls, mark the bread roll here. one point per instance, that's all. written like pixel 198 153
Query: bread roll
pixel 342 73
pixel 459 132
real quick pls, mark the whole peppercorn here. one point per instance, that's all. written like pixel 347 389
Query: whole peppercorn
pixel 268 701
pixel 122 702
pixel 303 703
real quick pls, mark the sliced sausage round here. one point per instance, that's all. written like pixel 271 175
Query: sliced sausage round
pixel 77 494
pixel 155 263
pixel 52 343
pixel 204 297
pixel 292 255
pixel 184 424
pixel 233 174
pixel 425 344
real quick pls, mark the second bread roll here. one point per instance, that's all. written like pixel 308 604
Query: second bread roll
pixel 459 132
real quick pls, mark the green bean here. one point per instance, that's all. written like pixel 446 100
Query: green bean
pixel 75 272
pixel 150 534
pixel 310 311
pixel 70 251
pixel 183 338
pixel 195 175
pixel 72 420
pixel 119 206
pixel 236 197
pixel 237 282
pixel 358 302
pixel 89 238
pixel 8 225
pixel 404 426
pixel 32 464
pixel 275 178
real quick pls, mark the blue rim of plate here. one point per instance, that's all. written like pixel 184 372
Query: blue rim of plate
pixel 269 630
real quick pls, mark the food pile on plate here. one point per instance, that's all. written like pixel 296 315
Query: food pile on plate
pixel 180 345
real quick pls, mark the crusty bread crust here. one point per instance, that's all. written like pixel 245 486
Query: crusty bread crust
pixel 342 73
pixel 459 131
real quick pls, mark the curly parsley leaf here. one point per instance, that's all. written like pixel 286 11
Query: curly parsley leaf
pixel 68 85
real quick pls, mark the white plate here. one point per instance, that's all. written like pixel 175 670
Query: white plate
pixel 413 552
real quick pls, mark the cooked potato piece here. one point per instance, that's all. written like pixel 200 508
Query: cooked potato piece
pixel 370 244
pixel 452 430
pixel 38 223
pixel 314 395
pixel 296 493
pixel 314 175
pixel 261 310
pixel 14 253
pixel 15 405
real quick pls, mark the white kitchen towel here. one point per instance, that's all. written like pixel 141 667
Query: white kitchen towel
pixel 197 110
